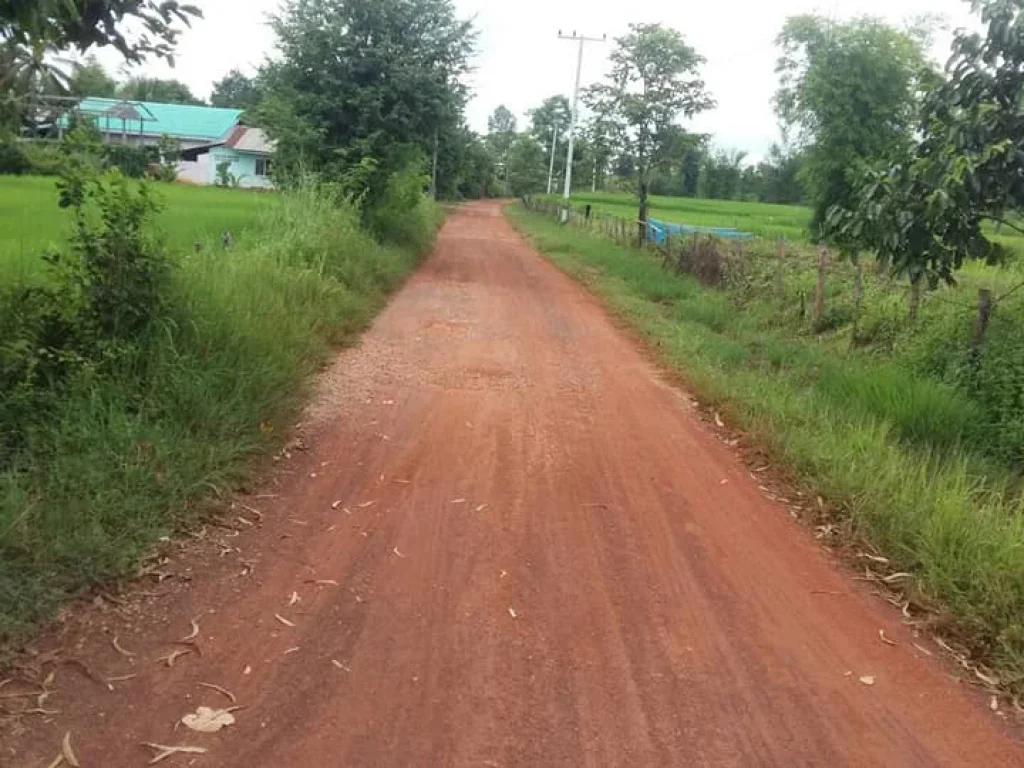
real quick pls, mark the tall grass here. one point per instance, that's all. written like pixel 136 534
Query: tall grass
pixel 897 452
pixel 130 455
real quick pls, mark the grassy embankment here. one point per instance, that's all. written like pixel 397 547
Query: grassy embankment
pixel 102 463
pixel 918 450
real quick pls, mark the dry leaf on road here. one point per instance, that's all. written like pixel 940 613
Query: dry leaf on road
pixel 207 720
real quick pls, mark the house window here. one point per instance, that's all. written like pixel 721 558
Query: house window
pixel 262 166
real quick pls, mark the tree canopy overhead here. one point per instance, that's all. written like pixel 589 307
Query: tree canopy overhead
pixel 136 28
pixel 236 91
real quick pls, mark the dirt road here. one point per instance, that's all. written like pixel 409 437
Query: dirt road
pixel 508 543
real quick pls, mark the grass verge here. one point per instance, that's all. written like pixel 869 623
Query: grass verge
pixel 130 455
pixel 884 446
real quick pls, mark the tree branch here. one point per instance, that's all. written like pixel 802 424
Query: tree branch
pixel 999 220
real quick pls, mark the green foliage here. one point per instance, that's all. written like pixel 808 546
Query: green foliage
pixel 654 80
pixel 153 24
pixel 527 171
pixel 501 134
pixel 466 168
pixel 924 214
pixel 722 175
pixel 403 216
pixel 849 90
pixel 12 157
pixel 364 80
pixel 126 450
pixel 236 91
pixel 158 90
pixel 90 78
pixel 225 178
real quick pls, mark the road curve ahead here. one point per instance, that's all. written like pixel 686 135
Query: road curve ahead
pixel 510 543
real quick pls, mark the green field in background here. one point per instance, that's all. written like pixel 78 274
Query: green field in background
pixel 32 223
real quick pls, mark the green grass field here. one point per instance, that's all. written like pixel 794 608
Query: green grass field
pixel 31 222
pixel 761 219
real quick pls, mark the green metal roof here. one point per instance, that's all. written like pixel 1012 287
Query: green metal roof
pixel 178 120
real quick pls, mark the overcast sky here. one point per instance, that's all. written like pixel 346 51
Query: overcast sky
pixel 521 61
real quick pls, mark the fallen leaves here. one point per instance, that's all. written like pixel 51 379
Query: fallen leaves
pixel 66 755
pixel 121 650
pixel 339 665
pixel 884 639
pixel 174 655
pixel 208 720
pixel 481 508
pixel 283 620
pixel 194 633
pixel 294 598
pixel 218 689
pixel 66 751
pixel 867 679
pixel 512 612
pixel 397 553
pixel 164 751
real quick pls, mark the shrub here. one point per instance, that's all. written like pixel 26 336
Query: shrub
pixel 12 158
pixel 404 216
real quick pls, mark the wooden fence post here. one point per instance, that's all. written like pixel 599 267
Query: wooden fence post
pixel 780 273
pixel 985 308
pixel 916 288
pixel 819 290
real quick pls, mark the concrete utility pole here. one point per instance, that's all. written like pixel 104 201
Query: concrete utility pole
pixel 551 167
pixel 575 114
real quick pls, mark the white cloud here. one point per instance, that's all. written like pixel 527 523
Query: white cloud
pixel 521 61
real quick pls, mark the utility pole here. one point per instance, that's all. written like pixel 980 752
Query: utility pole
pixel 433 173
pixel 551 168
pixel 575 114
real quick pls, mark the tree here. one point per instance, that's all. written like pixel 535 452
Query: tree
pixel 654 80
pixel 236 91
pixel 90 78
pixel 154 25
pixel 465 166
pixel 722 174
pixel 923 214
pixel 849 91
pixel 501 133
pixel 158 90
pixel 362 87
pixel 555 114
pixel 527 170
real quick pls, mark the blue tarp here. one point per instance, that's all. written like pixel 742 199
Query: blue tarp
pixel 656 231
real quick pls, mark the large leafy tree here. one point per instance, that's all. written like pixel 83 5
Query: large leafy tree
pixel 363 87
pixel 236 91
pixel 923 214
pixel 849 93
pixel 554 114
pixel 158 90
pixel 501 134
pixel 654 81
pixel 136 28
pixel 527 166
pixel 90 78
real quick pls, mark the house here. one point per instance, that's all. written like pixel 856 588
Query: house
pixel 209 136
pixel 242 157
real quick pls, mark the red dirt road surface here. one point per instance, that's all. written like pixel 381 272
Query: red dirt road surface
pixel 507 543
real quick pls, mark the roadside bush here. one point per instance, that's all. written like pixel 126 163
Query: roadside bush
pixel 136 387
pixel 45 158
pixel 404 216
pixel 12 158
